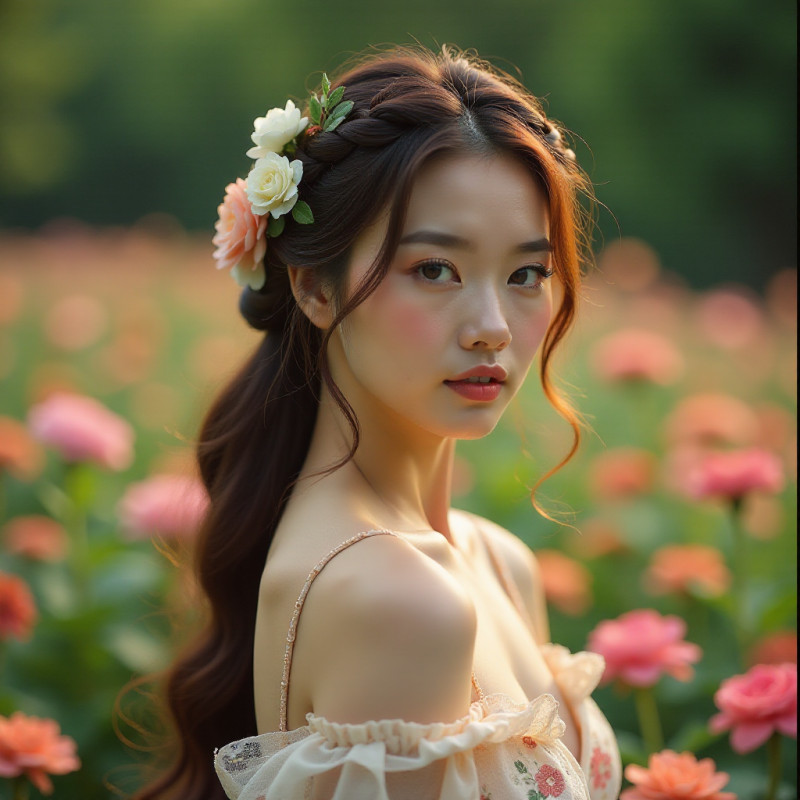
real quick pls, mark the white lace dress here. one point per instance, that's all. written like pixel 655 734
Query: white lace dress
pixel 499 751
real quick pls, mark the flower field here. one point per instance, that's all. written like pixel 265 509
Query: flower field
pixel 672 550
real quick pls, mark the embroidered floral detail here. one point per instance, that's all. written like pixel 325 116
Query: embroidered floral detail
pixel 600 768
pixel 529 741
pixel 521 768
pixel 485 794
pixel 251 750
pixel 550 781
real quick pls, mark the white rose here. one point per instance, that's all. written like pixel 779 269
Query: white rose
pixel 272 132
pixel 272 184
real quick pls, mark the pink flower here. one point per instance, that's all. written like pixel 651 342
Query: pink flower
pixel 636 354
pixel 82 429
pixel 17 608
pixel 36 537
pixel 34 747
pixel 756 704
pixel 686 568
pixel 566 582
pixel 550 781
pixel 733 473
pixel 642 645
pixel 241 239
pixel 622 472
pixel 673 776
pixel 163 505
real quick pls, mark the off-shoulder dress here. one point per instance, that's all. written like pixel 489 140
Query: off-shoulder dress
pixel 500 750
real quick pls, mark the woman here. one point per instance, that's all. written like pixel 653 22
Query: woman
pixel 407 254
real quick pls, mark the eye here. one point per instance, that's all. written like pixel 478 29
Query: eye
pixel 436 272
pixel 532 275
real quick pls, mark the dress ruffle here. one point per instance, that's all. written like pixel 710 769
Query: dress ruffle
pixel 577 674
pixel 281 765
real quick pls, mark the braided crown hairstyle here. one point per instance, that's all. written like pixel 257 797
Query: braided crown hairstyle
pixel 409 105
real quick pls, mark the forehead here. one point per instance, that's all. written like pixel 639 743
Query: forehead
pixel 482 193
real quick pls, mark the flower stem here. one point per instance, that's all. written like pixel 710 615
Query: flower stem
pixel 20 788
pixel 740 593
pixel 649 722
pixel 774 758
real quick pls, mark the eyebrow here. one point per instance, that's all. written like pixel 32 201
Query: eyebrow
pixel 442 239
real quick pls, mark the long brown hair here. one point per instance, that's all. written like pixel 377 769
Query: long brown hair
pixel 409 104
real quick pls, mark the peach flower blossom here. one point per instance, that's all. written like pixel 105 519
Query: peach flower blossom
pixel 731 474
pixel 776 648
pixel 20 454
pixel 622 472
pixel 82 429
pixel 642 645
pixel 75 322
pixel 17 608
pixel 35 748
pixel 729 317
pixel 163 505
pixel 712 418
pixel 566 582
pixel 637 354
pixel 688 568
pixel 676 776
pixel 35 536
pixel 755 705
pixel 241 238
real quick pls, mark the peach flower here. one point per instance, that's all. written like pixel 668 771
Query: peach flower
pixel 20 454
pixel 729 318
pixel 637 354
pixel 17 608
pixel 731 474
pixel 776 648
pixel 755 705
pixel 36 536
pixel 622 472
pixel 642 645
pixel 712 419
pixel 674 776
pixel 241 238
pixel 35 748
pixel 163 505
pixel 75 322
pixel 566 582
pixel 82 429
pixel 688 568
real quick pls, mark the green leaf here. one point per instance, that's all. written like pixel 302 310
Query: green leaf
pixel 335 97
pixel 338 115
pixel 315 109
pixel 326 84
pixel 275 226
pixel 302 213
pixel 521 768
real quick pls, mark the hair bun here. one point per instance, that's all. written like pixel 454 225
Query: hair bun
pixel 267 309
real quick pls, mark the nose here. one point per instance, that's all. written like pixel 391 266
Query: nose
pixel 485 326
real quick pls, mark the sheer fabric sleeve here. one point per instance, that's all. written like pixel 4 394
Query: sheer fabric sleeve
pixel 499 750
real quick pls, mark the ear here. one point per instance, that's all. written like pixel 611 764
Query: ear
pixel 312 297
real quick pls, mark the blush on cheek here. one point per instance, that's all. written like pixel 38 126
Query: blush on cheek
pixel 410 322
pixel 532 332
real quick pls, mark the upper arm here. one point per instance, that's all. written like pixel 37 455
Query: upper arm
pixel 525 572
pixel 386 634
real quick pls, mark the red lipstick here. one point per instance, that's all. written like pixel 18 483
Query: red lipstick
pixel 484 386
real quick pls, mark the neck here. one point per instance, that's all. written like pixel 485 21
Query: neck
pixel 399 477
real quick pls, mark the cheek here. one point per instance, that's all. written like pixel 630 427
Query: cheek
pixel 406 322
pixel 532 328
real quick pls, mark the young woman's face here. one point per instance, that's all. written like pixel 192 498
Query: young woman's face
pixel 447 338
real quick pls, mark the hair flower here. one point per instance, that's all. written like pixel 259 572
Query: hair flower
pixel 272 184
pixel 274 131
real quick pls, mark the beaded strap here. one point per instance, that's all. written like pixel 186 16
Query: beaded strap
pixel 298 607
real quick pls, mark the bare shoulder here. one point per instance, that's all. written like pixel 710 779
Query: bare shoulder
pixel 523 566
pixel 386 633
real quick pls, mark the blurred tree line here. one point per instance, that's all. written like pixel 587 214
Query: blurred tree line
pixel 112 110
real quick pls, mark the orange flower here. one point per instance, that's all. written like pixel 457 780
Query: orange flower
pixel 17 608
pixel 20 454
pixel 673 776
pixel 776 648
pixel 35 536
pixel 622 472
pixel 34 747
pixel 712 419
pixel 566 582
pixel 687 568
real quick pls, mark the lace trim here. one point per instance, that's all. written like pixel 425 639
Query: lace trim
pixel 577 673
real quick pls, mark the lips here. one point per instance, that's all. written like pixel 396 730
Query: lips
pixel 494 372
pixel 482 383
